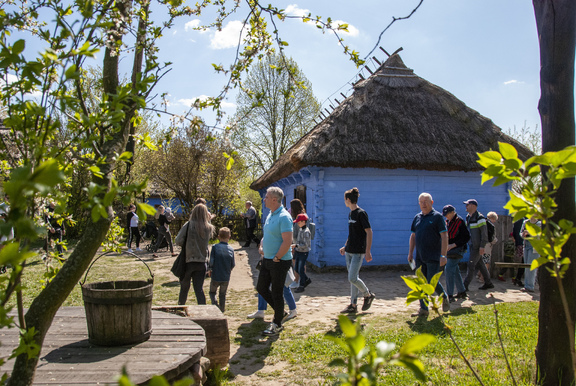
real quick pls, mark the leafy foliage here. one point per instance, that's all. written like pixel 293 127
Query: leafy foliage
pixel 364 363
pixel 275 108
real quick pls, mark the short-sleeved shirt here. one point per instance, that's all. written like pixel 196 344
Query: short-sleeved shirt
pixel 428 229
pixel 277 222
pixel 357 224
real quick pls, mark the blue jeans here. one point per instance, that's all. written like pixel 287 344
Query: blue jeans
pixel 353 263
pixel 529 276
pixel 430 269
pixel 453 276
pixel 300 266
pixel 288 296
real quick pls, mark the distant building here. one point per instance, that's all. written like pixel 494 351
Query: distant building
pixel 396 136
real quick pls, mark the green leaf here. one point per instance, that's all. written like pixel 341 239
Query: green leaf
pixel 538 263
pixel 18 46
pixel 125 156
pixel 71 72
pixel 428 289
pixel 508 151
pixel 435 279
pixel 411 282
pixel 489 158
pixel 346 325
pixel 416 343
pixel 356 343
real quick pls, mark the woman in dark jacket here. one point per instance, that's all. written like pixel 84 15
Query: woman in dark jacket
pixel 163 231
pixel 458 237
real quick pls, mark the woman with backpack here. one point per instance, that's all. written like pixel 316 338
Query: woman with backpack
pixel 164 230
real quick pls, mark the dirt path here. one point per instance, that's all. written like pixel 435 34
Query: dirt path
pixel 323 300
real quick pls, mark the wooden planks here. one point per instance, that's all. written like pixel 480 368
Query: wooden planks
pixel 67 358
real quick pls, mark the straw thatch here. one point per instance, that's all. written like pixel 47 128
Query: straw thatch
pixel 395 119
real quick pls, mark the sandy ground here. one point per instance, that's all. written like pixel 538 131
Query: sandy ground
pixel 326 296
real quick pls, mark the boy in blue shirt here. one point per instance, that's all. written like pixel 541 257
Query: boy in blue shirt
pixel 221 264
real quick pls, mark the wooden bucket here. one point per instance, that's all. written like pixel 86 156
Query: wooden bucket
pixel 118 312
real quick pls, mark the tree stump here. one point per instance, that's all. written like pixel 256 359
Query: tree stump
pixel 215 326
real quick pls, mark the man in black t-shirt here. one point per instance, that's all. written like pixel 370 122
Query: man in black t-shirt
pixel 357 247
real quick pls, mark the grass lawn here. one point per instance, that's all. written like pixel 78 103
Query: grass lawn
pixel 301 354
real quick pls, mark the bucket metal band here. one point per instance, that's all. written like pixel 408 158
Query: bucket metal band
pixel 118 301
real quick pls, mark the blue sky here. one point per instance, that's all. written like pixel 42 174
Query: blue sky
pixel 485 52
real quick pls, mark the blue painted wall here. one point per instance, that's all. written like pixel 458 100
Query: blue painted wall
pixel 390 197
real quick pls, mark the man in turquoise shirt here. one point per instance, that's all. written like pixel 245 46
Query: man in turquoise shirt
pixel 275 246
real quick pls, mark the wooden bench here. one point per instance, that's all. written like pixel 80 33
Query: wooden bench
pixel 505 264
pixel 215 326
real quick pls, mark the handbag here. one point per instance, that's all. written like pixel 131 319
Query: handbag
pixel 179 266
pixel 259 264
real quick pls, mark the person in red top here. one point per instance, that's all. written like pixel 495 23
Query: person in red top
pixel 458 237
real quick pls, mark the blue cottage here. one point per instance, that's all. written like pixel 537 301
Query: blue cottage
pixel 396 136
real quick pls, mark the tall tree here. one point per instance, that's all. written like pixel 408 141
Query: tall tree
pixel 275 108
pixel 556 25
pixel 191 165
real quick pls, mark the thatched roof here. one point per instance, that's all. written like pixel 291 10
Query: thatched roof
pixel 395 119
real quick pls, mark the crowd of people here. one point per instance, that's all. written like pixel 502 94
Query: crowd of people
pixel 436 240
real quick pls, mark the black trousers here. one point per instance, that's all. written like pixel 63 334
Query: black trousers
pixel 195 272
pixel 274 274
pixel 57 235
pixel 251 237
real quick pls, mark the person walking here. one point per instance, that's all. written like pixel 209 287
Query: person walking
pixel 56 229
pixel 163 230
pixel 430 239
pixel 301 249
pixel 196 233
pixel 458 237
pixel 221 265
pixel 476 224
pixel 491 219
pixel 133 230
pixel 357 247
pixel 250 221
pixel 529 255
pixel 275 246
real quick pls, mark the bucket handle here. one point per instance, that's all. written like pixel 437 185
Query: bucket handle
pixel 106 253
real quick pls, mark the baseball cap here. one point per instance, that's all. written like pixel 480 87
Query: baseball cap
pixel 471 201
pixel 447 209
pixel 301 217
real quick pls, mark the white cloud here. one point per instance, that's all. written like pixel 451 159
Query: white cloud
pixel 352 31
pixel 188 102
pixel 192 24
pixel 228 36
pixel 513 81
pixel 293 10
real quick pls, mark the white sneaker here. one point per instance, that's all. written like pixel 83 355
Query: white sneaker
pixel 138 250
pixel 256 315
pixel 294 284
pixel 291 315
pixel 130 250
pixel 272 329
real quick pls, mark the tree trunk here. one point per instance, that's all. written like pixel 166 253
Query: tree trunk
pixel 556 24
pixel 45 305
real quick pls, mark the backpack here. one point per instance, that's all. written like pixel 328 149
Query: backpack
pixel 312 228
pixel 491 230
